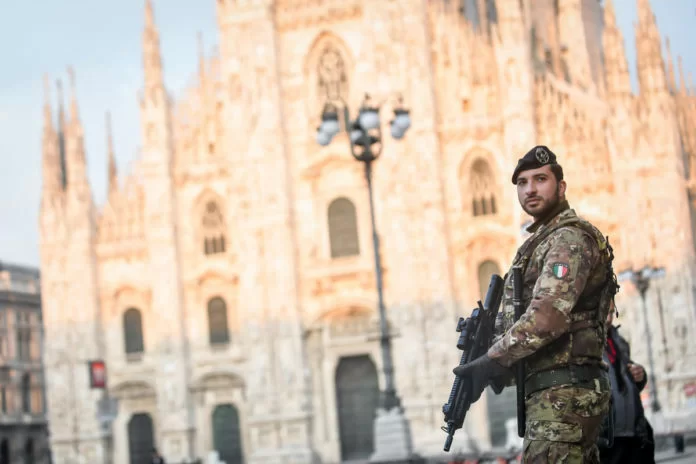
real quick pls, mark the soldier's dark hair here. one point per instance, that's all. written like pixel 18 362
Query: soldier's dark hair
pixel 557 171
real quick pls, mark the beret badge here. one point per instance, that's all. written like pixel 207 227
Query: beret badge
pixel 541 155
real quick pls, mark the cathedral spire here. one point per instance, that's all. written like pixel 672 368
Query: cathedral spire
pixel 74 109
pixel 682 80
pixel 50 147
pixel 616 67
pixel 61 107
pixel 48 110
pixel 152 59
pixel 671 77
pixel 62 126
pixel 74 141
pixel 154 102
pixel 573 36
pixel 113 170
pixel 651 65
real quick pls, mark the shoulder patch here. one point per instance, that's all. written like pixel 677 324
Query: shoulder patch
pixel 560 270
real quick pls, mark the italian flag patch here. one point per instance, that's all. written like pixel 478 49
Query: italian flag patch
pixel 560 270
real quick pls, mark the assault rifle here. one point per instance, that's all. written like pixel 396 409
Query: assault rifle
pixel 476 333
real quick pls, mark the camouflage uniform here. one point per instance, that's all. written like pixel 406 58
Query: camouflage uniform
pixel 563 326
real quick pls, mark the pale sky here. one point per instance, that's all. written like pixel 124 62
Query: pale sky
pixel 102 41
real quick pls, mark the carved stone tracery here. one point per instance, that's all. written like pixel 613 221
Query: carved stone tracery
pixel 332 74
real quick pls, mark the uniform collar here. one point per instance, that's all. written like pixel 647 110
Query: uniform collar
pixel 562 209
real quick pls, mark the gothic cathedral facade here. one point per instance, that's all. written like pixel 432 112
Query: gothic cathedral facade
pixel 228 281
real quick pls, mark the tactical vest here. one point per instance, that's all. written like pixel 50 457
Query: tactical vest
pixel 583 343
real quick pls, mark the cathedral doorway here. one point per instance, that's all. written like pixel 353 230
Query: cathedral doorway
pixel 227 437
pixel 357 398
pixel 141 439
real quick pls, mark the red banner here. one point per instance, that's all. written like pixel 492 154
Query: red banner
pixel 97 374
pixel 690 389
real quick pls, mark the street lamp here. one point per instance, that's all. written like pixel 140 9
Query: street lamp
pixel 641 279
pixel 365 140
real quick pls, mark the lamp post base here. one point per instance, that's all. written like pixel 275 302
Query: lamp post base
pixel 392 437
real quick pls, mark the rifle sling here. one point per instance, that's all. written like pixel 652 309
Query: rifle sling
pixel 585 376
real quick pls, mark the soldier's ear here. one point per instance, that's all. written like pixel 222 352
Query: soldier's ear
pixel 562 188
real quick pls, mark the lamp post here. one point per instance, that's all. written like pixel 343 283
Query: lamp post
pixel 365 141
pixel 641 279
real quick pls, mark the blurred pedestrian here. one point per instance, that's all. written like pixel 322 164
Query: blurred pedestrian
pixel 633 440
pixel 157 458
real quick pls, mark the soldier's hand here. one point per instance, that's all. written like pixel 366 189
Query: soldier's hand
pixel 637 372
pixel 478 374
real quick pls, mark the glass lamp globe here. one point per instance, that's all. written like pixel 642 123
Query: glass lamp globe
pixel 323 138
pixel 355 135
pixel 396 131
pixel 330 127
pixel 368 119
pixel 329 121
pixel 402 119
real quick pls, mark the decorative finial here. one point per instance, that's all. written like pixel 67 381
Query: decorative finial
pixel 71 76
pixel 109 135
pixel 59 91
pixel 47 87
pixel 149 14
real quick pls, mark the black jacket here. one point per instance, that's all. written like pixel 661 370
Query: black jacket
pixel 627 404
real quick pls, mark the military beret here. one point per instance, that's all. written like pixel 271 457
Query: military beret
pixel 535 158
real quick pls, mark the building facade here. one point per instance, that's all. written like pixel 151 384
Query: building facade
pixel 228 280
pixel 23 427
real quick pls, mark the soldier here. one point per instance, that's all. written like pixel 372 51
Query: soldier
pixel 568 287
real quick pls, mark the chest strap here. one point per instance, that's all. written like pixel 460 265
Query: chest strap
pixel 585 376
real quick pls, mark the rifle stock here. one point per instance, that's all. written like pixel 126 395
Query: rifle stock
pixel 476 333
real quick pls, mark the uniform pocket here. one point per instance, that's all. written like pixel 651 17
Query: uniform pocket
pixel 591 403
pixel 548 452
pixel 553 431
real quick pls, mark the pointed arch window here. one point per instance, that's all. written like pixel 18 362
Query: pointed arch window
pixel 343 228
pixel 481 183
pixel 133 331
pixel 213 225
pixel 218 329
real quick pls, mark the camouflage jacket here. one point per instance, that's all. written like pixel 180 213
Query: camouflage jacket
pixel 563 322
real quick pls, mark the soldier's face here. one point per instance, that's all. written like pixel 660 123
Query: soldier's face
pixel 538 191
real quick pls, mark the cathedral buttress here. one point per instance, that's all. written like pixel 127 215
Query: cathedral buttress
pixel 513 53
pixel 650 163
pixel 168 338
pixel 72 316
pixel 621 129
pixel 659 147
pixel 578 24
pixel 257 139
